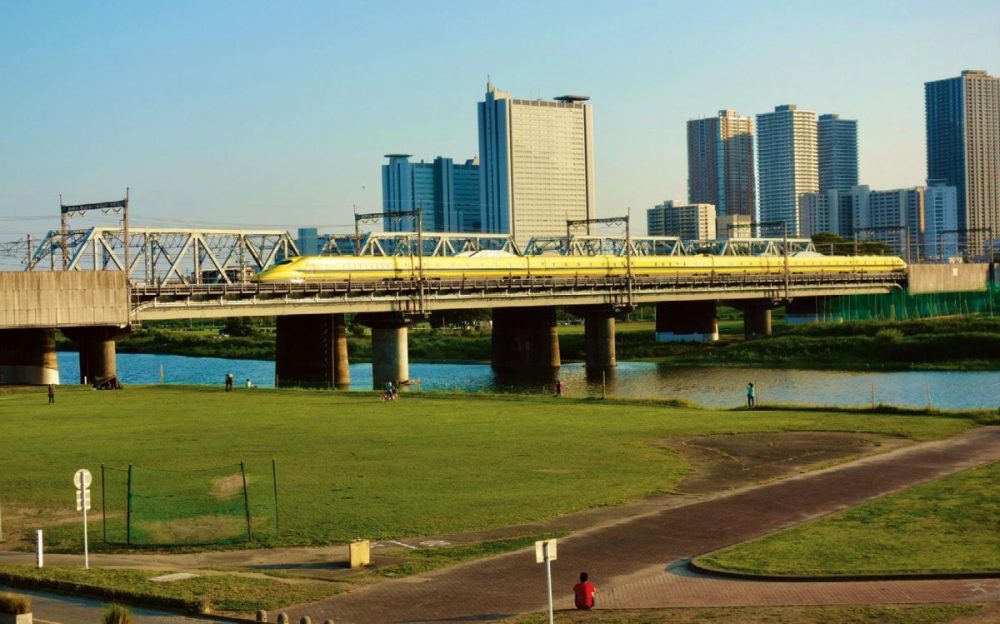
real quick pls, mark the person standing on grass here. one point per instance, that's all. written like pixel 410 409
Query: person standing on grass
pixel 751 395
pixel 229 382
pixel 559 387
pixel 584 591
pixel 52 393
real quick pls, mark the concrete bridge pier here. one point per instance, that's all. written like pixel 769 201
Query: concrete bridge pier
pixel 686 321
pixel 390 347
pixel 803 310
pixel 525 338
pixel 97 352
pixel 312 351
pixel 756 319
pixel 599 337
pixel 28 356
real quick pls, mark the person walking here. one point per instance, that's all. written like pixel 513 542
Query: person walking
pixel 584 592
pixel 229 382
pixel 559 387
pixel 52 393
pixel 751 396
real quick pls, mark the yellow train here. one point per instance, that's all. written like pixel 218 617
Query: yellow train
pixel 304 269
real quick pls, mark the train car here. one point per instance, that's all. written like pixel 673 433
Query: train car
pixel 307 269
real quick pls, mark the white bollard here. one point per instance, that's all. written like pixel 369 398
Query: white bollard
pixel 40 560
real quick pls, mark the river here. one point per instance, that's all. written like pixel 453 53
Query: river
pixel 711 387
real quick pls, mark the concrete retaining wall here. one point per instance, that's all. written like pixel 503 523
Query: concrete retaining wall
pixel 63 299
pixel 934 278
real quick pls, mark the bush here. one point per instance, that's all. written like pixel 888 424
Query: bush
pixel 116 614
pixel 15 604
pixel 888 335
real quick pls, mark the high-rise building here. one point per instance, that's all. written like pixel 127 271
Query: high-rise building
pixel 788 165
pixel 963 148
pixel 940 222
pixel 721 163
pixel 688 222
pixel 446 194
pixel 826 211
pixel 837 141
pixel 537 166
pixel 890 216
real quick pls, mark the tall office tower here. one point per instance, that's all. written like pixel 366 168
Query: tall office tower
pixel 963 148
pixel 837 140
pixel 940 222
pixel 446 194
pixel 820 212
pixel 889 216
pixel 787 163
pixel 537 166
pixel 688 222
pixel 721 163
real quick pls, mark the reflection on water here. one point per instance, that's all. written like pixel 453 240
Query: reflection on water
pixel 711 387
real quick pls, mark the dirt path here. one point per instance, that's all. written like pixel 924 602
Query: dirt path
pixel 637 551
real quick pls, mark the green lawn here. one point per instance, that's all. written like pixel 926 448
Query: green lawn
pixel 350 466
pixel 948 525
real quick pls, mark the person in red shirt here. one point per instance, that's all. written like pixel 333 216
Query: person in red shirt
pixel 584 591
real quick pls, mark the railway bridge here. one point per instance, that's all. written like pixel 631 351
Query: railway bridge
pixel 96 303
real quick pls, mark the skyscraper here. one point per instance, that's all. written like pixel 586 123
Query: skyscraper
pixel 963 148
pixel 788 164
pixel 537 166
pixel 838 153
pixel 446 194
pixel 721 163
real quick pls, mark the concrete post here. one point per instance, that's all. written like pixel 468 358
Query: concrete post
pixel 28 356
pixel 525 338
pixel 756 320
pixel 312 351
pixel 599 337
pixel 390 348
pixel 98 363
pixel 686 321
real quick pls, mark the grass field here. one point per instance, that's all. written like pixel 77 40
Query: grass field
pixel 350 466
pixel 874 614
pixel 948 525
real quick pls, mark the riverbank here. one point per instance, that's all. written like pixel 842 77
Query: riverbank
pixel 955 343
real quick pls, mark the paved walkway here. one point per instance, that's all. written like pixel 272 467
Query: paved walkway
pixel 629 560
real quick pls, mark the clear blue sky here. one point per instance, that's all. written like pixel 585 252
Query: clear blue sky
pixel 279 113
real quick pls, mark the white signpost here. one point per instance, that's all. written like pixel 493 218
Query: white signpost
pixel 545 552
pixel 82 480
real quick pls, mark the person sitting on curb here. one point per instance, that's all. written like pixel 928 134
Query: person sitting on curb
pixel 584 591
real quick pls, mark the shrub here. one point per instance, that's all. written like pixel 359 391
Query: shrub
pixel 15 604
pixel 117 614
pixel 888 335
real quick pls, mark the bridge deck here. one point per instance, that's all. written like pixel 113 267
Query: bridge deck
pixel 171 301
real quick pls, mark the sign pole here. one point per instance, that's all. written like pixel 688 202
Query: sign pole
pixel 548 575
pixel 545 552
pixel 86 549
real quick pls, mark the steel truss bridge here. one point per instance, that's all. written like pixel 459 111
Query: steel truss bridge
pixel 158 255
pixel 415 296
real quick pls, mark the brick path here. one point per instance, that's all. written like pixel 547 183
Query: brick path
pixel 629 560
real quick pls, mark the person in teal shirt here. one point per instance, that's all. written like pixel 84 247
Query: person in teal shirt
pixel 751 395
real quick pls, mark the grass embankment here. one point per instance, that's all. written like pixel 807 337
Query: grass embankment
pixel 201 594
pixel 951 343
pixel 349 465
pixel 948 525
pixel 880 614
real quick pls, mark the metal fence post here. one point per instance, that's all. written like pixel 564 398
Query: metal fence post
pixel 246 501
pixel 128 513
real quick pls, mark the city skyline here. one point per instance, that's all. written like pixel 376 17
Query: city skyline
pixel 280 119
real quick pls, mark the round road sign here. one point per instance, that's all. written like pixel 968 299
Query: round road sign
pixel 82 479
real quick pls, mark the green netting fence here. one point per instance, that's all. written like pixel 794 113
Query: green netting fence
pixel 194 507
pixel 900 305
